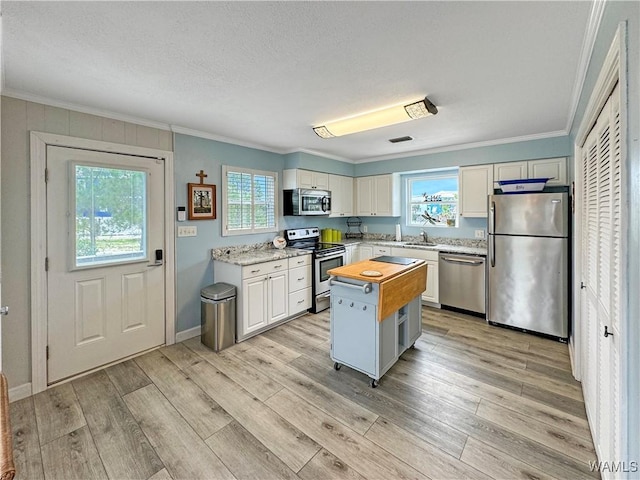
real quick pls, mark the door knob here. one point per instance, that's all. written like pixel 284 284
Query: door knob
pixel 4 310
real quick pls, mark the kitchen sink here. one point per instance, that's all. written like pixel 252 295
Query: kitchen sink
pixel 421 244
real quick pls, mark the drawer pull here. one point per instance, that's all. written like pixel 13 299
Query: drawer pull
pixel 255 271
pixel 300 279
pixel 300 301
pixel 300 262
pixel 277 266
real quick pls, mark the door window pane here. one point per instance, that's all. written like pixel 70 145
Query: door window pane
pixel 110 215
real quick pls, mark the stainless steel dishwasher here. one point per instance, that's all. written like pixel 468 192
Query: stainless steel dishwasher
pixel 461 281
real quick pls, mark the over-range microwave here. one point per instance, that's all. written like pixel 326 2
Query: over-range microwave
pixel 307 201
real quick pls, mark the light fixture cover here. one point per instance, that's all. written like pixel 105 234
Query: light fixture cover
pixel 376 119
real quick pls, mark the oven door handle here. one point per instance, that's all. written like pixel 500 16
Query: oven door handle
pixel 366 288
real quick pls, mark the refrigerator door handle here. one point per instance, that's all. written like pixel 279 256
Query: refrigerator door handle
pixel 492 250
pixel 492 217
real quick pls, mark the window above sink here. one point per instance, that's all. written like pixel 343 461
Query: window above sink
pixel 432 200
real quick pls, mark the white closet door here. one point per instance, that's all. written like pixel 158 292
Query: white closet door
pixel 601 269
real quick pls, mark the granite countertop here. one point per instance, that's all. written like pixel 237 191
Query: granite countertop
pixel 265 252
pixel 252 256
pixel 471 247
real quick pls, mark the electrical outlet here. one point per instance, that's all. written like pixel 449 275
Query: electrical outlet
pixel 364 229
pixel 187 231
pixel 479 233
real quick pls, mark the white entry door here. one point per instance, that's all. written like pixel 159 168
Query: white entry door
pixel 105 272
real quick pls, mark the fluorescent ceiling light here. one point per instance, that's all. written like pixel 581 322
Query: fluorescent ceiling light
pixel 377 118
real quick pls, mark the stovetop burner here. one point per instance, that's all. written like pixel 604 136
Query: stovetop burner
pixel 309 239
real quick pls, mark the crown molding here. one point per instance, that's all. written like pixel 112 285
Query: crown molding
pixel 590 35
pixel 29 97
pixel 320 154
pixel 131 119
pixel 465 146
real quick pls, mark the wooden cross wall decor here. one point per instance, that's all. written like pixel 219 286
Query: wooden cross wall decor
pixel 202 199
pixel 202 176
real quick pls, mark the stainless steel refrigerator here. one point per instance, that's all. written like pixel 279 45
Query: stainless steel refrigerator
pixel 528 262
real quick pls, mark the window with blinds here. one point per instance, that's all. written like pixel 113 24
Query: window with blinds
pixel 249 201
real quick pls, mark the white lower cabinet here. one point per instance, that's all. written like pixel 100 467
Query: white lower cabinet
pixel 363 252
pixel 379 250
pixel 254 299
pixel 268 293
pixel 277 296
pixel 431 257
pixel 431 293
pixel 366 251
pixel 299 284
pixel 350 256
pixel 265 300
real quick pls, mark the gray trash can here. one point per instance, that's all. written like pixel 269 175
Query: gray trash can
pixel 218 316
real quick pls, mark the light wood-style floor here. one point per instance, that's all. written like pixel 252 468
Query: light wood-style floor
pixel 470 401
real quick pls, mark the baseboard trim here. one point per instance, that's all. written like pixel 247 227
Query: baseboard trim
pixel 187 334
pixel 20 392
pixel 572 359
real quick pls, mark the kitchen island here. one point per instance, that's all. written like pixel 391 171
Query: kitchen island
pixel 375 313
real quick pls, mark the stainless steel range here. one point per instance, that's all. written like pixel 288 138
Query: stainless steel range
pixel 325 257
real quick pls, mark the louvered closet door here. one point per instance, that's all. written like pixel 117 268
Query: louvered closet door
pixel 600 301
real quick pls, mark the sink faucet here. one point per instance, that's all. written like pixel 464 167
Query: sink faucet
pixel 423 234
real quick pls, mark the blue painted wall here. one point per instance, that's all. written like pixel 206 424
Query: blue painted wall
pixel 508 152
pixel 317 163
pixel 194 267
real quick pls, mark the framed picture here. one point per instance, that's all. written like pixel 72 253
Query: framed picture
pixel 202 201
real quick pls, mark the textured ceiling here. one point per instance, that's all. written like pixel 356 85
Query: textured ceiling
pixel 262 73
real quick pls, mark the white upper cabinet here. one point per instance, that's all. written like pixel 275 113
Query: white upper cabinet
pixel 475 184
pixel 341 188
pixel 297 178
pixel 553 168
pixel 378 195
pixel 509 171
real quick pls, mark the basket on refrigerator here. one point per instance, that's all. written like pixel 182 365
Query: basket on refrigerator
pixel 523 185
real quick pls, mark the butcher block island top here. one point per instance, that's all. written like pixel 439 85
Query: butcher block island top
pixel 398 284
